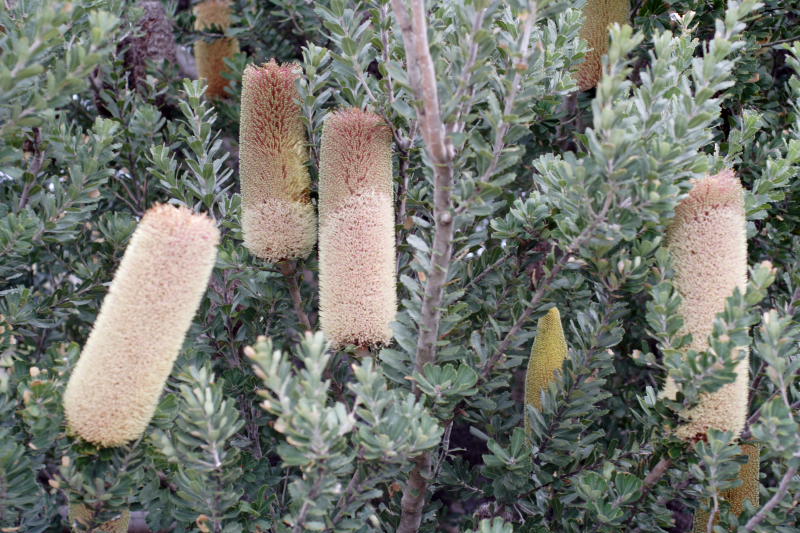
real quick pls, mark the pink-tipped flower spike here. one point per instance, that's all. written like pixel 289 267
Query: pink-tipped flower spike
pixel 358 298
pixel 278 219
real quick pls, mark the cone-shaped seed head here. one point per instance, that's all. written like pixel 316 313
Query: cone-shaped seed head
pixel 708 243
pixel 114 388
pixel 358 299
pixel 210 56
pixel 80 513
pixel 547 356
pixel 598 16
pixel 748 490
pixel 278 219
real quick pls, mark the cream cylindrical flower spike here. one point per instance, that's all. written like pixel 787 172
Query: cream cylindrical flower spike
pixel 547 357
pixel 598 16
pixel 278 219
pixel 357 287
pixel 210 55
pixel 748 490
pixel 115 386
pixel 708 244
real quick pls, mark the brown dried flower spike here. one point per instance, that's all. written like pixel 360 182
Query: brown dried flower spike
pixel 278 219
pixel 358 299
pixel 210 56
pixel 114 388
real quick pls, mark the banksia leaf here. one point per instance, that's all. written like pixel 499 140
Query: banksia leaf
pixel 83 515
pixel 547 356
pixel 210 55
pixel 598 16
pixel 278 219
pixel 358 297
pixel 708 244
pixel 748 490
pixel 114 388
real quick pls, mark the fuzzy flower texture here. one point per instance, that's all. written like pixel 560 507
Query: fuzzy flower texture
pixel 210 55
pixel 708 244
pixel 278 219
pixel 598 16
pixel 114 389
pixel 737 496
pixel 547 357
pixel 358 299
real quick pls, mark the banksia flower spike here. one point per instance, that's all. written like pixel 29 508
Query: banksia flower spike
pixel 358 299
pixel 83 515
pixel 210 56
pixel 748 490
pixel 278 219
pixel 547 357
pixel 598 16
pixel 114 388
pixel 708 244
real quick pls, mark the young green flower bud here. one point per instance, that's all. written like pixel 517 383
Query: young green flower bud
pixel 210 55
pixel 547 357
pixel 598 16
pixel 358 297
pixel 278 219
pixel 114 388
pixel 83 515
pixel 748 490
pixel 708 244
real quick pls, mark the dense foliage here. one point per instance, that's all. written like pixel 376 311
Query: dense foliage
pixel 556 198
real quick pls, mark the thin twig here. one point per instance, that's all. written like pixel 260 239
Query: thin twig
pixel 289 271
pixel 422 76
pixel 486 271
pixel 519 68
pixel 544 284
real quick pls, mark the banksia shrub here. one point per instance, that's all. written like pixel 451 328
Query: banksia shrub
pixel 278 219
pixel 708 244
pixel 748 490
pixel 114 388
pixel 598 16
pixel 210 56
pixel 547 356
pixel 83 516
pixel 358 297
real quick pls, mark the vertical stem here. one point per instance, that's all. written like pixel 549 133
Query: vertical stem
pixel 423 79
pixel 289 271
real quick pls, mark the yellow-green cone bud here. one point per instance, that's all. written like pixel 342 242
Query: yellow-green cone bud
pixel 748 490
pixel 210 55
pixel 278 219
pixel 114 388
pixel 547 356
pixel 357 297
pixel 598 16
pixel 81 514
pixel 708 244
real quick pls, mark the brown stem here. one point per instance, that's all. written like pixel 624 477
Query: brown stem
pixel 289 271
pixel 422 76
